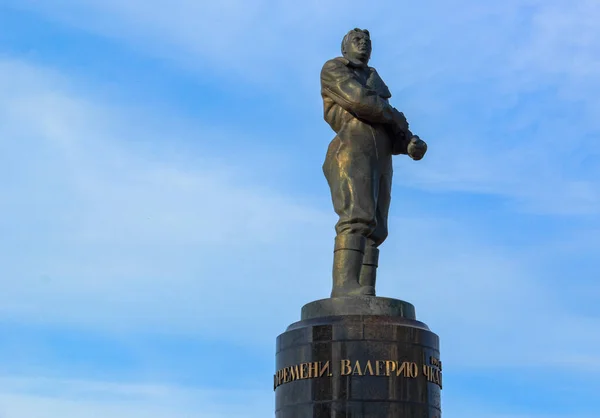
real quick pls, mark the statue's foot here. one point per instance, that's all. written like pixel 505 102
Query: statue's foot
pixel 354 290
pixel 368 290
pixel 368 272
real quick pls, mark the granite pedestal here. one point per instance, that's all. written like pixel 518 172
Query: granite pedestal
pixel 358 357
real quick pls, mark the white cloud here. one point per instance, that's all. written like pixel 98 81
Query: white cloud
pixel 456 68
pixel 113 235
pixel 485 300
pixel 110 225
pixel 225 36
pixel 512 109
pixel 116 236
pixel 119 218
pixel 52 398
pixel 289 40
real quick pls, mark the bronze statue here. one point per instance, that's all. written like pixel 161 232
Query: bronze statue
pixel 358 165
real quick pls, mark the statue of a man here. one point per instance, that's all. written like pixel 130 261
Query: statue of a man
pixel 358 166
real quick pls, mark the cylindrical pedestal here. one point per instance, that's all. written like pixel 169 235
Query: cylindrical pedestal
pixel 358 365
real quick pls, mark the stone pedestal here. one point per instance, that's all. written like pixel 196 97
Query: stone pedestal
pixel 358 357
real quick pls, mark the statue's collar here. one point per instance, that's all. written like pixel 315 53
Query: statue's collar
pixel 353 63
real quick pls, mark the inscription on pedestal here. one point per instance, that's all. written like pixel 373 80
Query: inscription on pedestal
pixel 357 366
pixel 348 367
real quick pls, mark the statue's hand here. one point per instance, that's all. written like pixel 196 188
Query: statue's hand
pixel 416 148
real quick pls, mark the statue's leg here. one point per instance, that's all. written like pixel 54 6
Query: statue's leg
pixel 368 272
pixel 347 261
pixel 380 233
pixel 352 192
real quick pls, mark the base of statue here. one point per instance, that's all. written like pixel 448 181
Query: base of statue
pixel 358 357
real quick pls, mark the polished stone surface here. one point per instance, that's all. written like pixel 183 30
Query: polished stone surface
pixel 368 392
pixel 358 305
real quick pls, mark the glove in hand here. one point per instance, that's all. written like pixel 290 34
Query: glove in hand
pixel 416 148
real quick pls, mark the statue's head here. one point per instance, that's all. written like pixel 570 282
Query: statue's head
pixel 356 45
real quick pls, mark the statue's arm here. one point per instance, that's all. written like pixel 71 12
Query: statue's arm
pixel 401 134
pixel 339 83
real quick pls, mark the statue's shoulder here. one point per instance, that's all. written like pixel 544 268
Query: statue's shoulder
pixel 334 69
pixel 337 62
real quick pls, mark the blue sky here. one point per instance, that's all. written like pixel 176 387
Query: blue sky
pixel 164 215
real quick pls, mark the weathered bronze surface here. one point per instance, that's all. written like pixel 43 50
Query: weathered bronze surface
pixel 356 355
pixel 358 165
pixel 358 305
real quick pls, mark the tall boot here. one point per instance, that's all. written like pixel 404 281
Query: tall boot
pixel 347 262
pixel 368 272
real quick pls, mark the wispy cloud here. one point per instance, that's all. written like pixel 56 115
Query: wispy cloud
pixel 51 398
pixel 130 234
pixel 136 228
pixel 128 220
pixel 491 61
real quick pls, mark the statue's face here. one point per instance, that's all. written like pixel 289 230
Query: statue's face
pixel 358 47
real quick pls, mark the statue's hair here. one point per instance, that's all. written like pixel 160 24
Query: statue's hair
pixel 347 37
